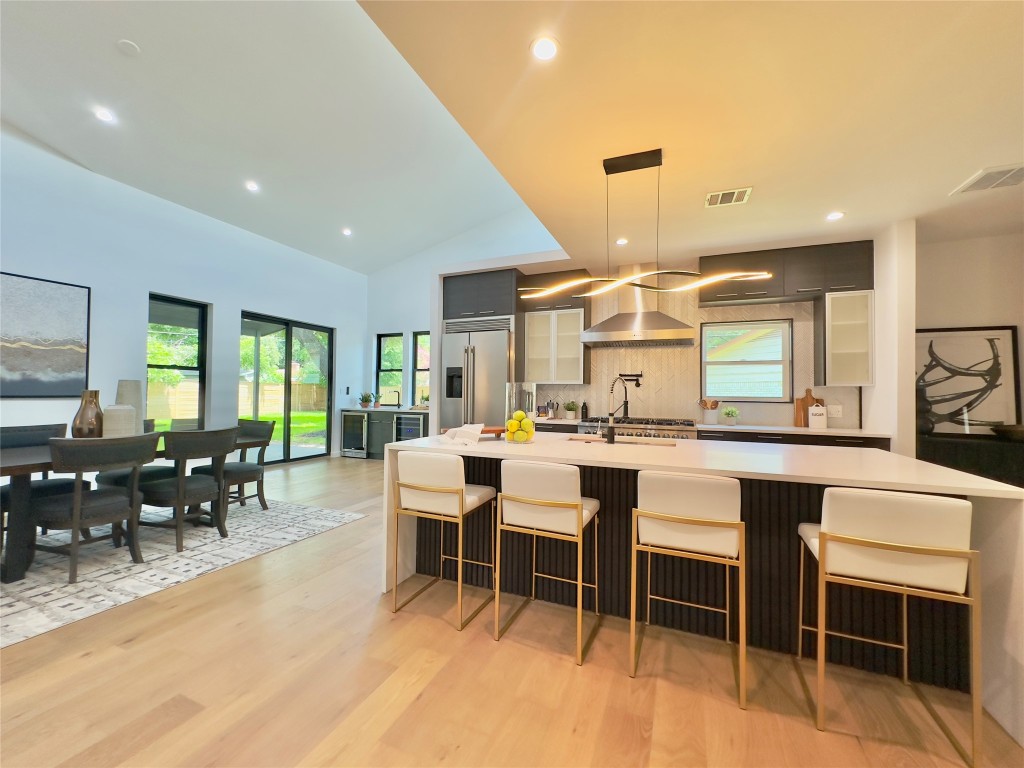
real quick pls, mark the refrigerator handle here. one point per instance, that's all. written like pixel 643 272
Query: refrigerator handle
pixel 366 422
pixel 467 384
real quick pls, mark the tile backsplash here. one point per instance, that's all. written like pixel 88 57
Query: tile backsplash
pixel 671 383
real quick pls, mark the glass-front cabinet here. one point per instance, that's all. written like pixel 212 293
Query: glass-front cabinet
pixel 849 338
pixel 554 353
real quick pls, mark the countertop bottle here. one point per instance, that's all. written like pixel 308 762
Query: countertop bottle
pixel 584 411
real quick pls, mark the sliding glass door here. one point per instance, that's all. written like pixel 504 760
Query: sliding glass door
pixel 285 376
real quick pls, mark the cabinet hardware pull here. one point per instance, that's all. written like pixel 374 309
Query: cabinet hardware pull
pixel 723 295
pixel 467 313
pixel 563 306
pixel 842 287
pixel 807 290
pixel 546 306
pixel 769 437
pixel 712 434
pixel 848 440
pixel 756 293
pixel 486 311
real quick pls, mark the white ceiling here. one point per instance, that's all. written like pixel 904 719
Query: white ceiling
pixel 876 109
pixel 307 98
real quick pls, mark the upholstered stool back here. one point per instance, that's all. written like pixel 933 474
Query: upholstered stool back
pixel 697 496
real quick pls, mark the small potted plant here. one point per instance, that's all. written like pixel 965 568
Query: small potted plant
pixel 570 410
pixel 730 413
pixel 365 398
pixel 376 399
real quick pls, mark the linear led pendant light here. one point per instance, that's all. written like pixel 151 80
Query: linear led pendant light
pixel 623 164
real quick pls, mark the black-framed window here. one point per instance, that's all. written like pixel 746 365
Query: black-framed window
pixel 747 361
pixel 390 357
pixel 176 363
pixel 421 367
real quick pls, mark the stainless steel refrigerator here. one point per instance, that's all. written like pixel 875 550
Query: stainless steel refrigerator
pixel 477 358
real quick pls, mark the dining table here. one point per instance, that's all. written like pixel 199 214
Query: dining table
pixel 19 464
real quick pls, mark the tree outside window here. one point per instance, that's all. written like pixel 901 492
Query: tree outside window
pixel 421 384
pixel 175 363
pixel 390 356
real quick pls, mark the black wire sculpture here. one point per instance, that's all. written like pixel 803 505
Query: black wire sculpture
pixel 988 378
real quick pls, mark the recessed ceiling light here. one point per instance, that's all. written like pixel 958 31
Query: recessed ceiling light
pixel 105 115
pixel 835 216
pixel 621 241
pixel 252 186
pixel 346 232
pixel 544 48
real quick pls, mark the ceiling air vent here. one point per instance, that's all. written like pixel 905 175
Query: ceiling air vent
pixel 990 178
pixel 729 197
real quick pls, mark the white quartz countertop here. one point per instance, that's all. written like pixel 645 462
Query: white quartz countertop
pixel 822 465
pixel 766 429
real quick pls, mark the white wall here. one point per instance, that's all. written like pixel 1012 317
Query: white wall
pixel 889 404
pixel 975 282
pixel 63 222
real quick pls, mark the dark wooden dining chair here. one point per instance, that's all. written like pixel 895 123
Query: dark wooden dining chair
pixel 27 437
pixel 187 492
pixel 238 473
pixel 84 507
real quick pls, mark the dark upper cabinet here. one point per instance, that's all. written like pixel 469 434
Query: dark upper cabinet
pixel 850 266
pixel 480 294
pixel 805 273
pixel 799 274
pixel 563 300
pixel 743 291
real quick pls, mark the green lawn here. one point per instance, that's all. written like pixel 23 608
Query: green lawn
pixel 308 427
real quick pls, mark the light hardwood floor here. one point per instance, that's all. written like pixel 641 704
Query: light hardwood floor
pixel 294 658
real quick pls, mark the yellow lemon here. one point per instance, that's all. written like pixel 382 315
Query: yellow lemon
pixel 509 437
pixel 520 436
pixel 527 424
pixel 512 425
pixel 519 415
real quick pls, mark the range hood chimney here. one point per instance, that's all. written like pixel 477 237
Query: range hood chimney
pixel 637 322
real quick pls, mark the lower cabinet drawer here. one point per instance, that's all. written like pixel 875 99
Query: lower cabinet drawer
pixel 788 438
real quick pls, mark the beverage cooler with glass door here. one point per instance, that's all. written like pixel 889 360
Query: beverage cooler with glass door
pixel 354 434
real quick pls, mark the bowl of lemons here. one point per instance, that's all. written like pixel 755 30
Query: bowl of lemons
pixel 519 429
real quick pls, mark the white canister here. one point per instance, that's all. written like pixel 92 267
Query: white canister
pixel 817 417
pixel 711 416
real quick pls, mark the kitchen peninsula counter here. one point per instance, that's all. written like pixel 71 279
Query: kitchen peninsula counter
pixel 781 487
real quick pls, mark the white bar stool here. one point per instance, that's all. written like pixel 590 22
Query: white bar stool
pixel 696 517
pixel 433 486
pixel 906 543
pixel 544 499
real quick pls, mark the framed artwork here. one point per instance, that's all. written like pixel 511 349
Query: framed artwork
pixel 44 334
pixel 967 379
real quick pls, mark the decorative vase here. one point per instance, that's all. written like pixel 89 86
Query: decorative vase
pixel 376 404
pixel 729 420
pixel 711 416
pixel 88 422
pixel 364 405
pixel 129 392
pixel 119 421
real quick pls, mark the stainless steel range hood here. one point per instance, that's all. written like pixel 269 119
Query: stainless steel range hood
pixel 638 324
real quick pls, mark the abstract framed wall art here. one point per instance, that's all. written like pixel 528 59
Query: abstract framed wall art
pixel 968 379
pixel 44 337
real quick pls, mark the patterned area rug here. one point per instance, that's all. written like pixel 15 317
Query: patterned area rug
pixel 107 577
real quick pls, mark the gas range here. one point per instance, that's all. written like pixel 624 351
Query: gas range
pixel 677 429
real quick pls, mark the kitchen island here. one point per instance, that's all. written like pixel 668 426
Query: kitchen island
pixel 782 486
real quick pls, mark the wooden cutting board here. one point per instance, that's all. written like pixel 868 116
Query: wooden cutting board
pixel 800 406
